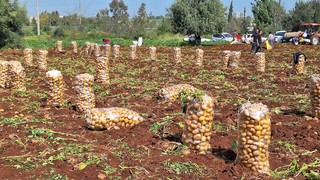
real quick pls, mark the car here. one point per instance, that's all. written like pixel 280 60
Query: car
pixel 247 38
pixel 222 37
pixel 279 36
pixel 192 38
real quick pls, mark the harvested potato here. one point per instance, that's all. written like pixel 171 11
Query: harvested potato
pixel 42 61
pixel 83 86
pixel 28 56
pixel 172 93
pixel 56 88
pixel 260 60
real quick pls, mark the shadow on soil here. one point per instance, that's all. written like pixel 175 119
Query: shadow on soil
pixel 226 154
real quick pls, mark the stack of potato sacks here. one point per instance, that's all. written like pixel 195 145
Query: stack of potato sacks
pixel 107 50
pixel 172 93
pixel 59 46
pixel 28 57
pixel 315 95
pixel 234 59
pixel 96 50
pixel 42 61
pixel 152 53
pixel 56 88
pixel 102 64
pixel 198 125
pixel 83 86
pixel 133 50
pixel 116 51
pixel 298 64
pixel 199 57
pixel 225 58
pixel 260 60
pixel 13 75
pixel 74 47
pixel 177 55
pixel 112 118
pixel 254 128
pixel 87 47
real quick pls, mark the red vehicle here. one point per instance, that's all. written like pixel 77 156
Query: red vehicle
pixel 310 35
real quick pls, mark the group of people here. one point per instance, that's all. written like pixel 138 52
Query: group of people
pixel 257 41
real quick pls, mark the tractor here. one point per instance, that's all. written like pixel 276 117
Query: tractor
pixel 309 35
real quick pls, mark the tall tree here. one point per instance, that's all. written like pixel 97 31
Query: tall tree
pixel 140 21
pixel 119 17
pixel 197 16
pixel 12 18
pixel 230 11
pixel 268 14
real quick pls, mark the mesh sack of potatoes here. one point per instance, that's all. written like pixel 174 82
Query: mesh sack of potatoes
pixel 260 60
pixel 87 47
pixel 199 57
pixel 198 124
pixel 133 52
pixel 96 50
pixel 254 133
pixel 56 88
pixel 59 46
pixel 91 49
pixel 172 93
pixel 177 55
pixel 28 56
pixel 152 53
pixel 112 118
pixel 42 61
pixel 315 95
pixel 225 58
pixel 107 50
pixel 298 63
pixel 116 51
pixel 3 73
pixel 74 47
pixel 16 77
pixel 83 86
pixel 234 59
pixel 102 65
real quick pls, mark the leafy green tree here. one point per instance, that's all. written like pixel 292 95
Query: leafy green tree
pixel 268 14
pixel 140 21
pixel 12 18
pixel 230 11
pixel 197 17
pixel 119 17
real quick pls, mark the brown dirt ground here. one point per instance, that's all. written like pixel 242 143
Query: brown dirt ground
pixel 137 153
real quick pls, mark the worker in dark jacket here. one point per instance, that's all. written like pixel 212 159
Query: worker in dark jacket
pixel 254 40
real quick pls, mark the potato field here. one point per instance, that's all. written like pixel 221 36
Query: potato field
pixel 128 112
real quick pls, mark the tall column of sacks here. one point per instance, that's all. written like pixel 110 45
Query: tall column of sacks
pixel 107 50
pixel 83 86
pixel 133 52
pixel 56 88
pixel 3 73
pixel 152 53
pixel 198 125
pixel 87 47
pixel 199 57
pixel 102 64
pixel 59 46
pixel 16 78
pixel 225 58
pixel 234 59
pixel 74 47
pixel 28 56
pixel 254 128
pixel 96 50
pixel 116 51
pixel 177 55
pixel 315 95
pixel 42 61
pixel 260 60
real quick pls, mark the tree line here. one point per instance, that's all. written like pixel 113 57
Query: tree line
pixel 199 17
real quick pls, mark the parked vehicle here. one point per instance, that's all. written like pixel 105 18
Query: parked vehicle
pixel 222 37
pixel 192 38
pixel 279 36
pixel 309 35
pixel 247 38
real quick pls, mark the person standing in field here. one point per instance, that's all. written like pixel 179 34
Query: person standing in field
pixel 254 40
pixel 271 39
pixel 259 39
pixel 235 35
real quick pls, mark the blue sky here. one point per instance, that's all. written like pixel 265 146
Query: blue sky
pixel 156 7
